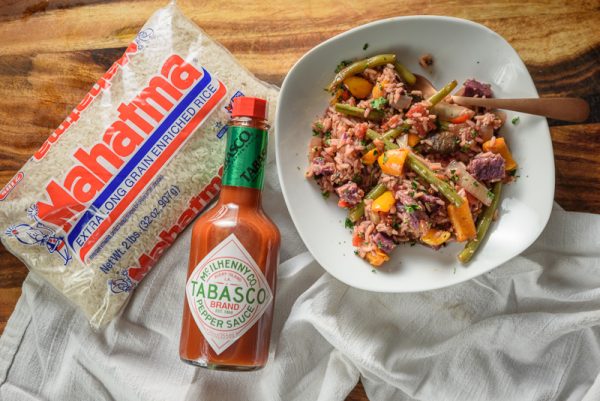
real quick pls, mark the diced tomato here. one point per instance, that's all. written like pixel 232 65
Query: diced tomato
pixel 343 203
pixel 460 119
pixel 360 130
pixel 356 240
pixel 418 108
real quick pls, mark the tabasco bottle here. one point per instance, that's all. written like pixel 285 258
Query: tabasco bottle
pixel 234 254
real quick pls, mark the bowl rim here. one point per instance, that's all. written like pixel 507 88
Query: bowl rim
pixel 392 20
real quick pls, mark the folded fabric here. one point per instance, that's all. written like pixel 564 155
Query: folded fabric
pixel 528 330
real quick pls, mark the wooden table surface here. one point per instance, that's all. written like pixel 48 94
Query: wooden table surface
pixel 52 52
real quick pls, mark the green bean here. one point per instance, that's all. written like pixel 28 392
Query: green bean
pixel 389 144
pixel 442 186
pixel 373 135
pixel 482 226
pixel 389 135
pixel 442 93
pixel 359 66
pixel 405 73
pixel 376 192
pixel 354 111
pixel 392 134
pixel 357 211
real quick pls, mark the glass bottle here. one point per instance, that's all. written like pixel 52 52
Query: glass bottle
pixel 234 254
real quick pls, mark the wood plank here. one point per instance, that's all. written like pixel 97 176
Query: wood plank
pixel 12 271
pixel 8 300
pixel 576 150
pixel 358 393
pixel 50 57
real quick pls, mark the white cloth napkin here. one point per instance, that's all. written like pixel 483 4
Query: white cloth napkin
pixel 528 330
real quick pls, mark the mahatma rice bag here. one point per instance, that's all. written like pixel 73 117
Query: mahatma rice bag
pixel 130 167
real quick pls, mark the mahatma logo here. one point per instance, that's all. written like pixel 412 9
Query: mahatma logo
pixel 38 234
pixel 143 37
pixel 103 83
pixel 120 285
pixel 227 294
pixel 108 176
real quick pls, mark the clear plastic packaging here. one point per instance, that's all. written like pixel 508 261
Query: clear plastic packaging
pixel 130 167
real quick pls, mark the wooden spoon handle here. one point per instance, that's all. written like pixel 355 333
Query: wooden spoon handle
pixel 561 108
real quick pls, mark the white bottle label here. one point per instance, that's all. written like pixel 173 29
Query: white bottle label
pixel 227 293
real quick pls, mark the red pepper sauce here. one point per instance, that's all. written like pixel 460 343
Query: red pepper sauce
pixel 234 255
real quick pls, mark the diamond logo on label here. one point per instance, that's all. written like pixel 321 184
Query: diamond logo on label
pixel 227 294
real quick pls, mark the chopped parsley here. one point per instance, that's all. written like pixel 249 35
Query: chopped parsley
pixel 348 223
pixel 405 127
pixel 343 64
pixel 357 178
pixel 411 208
pixel 373 270
pixel 453 176
pixel 385 158
pixel 413 243
pixel 327 135
pixel 365 46
pixel 473 134
pixel 316 133
pixel 379 103
pixel 356 252
pixel 466 148
pixel 325 194
pixel 475 184
pixel 515 120
pixel 512 173
pixel 319 126
pixel 412 194
pixel 490 194
pixel 395 225
pixel 413 184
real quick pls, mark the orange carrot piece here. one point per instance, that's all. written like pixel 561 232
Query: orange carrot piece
pixel 500 147
pixel 392 161
pixel 370 157
pixel 413 139
pixel 462 221
pixel 377 257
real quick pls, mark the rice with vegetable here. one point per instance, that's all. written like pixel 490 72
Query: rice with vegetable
pixel 408 169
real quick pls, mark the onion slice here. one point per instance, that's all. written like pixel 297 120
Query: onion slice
pixel 403 141
pixel 447 112
pixel 469 183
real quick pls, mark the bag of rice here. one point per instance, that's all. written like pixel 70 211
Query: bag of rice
pixel 129 168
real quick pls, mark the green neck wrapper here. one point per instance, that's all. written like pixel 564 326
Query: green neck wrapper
pixel 246 153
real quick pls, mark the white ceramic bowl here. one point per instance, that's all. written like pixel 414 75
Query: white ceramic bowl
pixel 461 49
